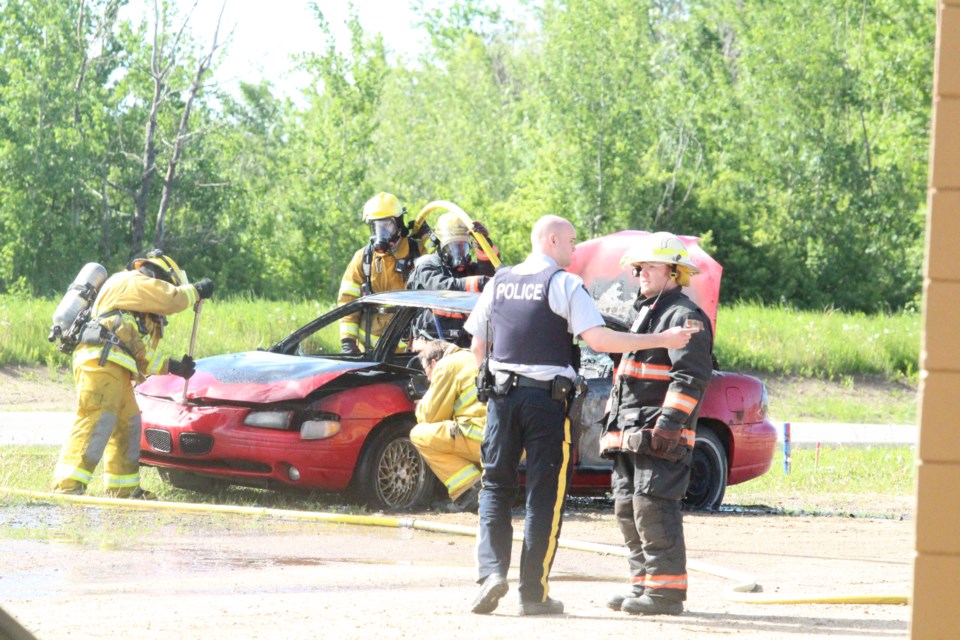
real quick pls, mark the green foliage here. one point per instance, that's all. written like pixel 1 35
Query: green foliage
pixel 793 134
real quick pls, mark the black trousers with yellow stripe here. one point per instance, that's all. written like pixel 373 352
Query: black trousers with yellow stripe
pixel 524 419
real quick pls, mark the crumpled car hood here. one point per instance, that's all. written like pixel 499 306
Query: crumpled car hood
pixel 252 376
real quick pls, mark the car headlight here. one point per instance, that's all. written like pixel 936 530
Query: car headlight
pixel 764 401
pixel 319 426
pixel 268 419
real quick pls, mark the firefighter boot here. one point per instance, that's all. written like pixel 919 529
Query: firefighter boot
pixel 468 501
pixel 615 602
pixel 494 587
pixel 652 606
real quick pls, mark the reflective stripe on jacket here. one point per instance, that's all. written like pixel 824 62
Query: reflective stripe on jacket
pixel 129 292
pixel 660 387
pixel 384 276
pixel 453 395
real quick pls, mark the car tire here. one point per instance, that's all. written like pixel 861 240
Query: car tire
pixel 391 475
pixel 708 472
pixel 191 481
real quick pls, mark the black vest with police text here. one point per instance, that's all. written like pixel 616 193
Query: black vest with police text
pixel 526 330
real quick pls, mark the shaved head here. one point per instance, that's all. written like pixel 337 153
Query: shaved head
pixel 555 237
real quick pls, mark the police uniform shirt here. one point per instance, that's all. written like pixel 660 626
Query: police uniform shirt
pixel 567 298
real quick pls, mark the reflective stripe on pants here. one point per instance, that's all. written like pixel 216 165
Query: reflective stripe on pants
pixel 525 419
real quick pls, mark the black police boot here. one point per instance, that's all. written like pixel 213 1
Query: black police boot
pixel 548 608
pixel 493 588
pixel 652 606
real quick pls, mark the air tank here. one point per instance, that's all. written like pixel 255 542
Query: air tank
pixel 80 295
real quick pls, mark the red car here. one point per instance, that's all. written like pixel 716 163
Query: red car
pixel 298 415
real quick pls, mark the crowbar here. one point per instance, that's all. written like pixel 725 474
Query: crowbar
pixel 193 343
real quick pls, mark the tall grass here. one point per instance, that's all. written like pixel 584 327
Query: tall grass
pixel 872 480
pixel 827 344
pixel 226 326
pixel 773 340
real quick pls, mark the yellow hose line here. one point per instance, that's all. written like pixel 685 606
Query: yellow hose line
pixel 740 592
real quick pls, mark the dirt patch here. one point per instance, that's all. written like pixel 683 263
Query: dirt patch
pixel 36 388
pixel 161 575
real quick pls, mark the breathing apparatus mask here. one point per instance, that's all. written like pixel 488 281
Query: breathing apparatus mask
pixel 384 234
pixel 456 254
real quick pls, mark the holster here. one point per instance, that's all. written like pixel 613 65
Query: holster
pixel 484 381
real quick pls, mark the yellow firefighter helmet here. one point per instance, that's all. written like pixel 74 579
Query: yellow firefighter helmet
pixel 663 248
pixel 160 266
pixel 383 205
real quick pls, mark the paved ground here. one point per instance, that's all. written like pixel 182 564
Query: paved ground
pixel 70 572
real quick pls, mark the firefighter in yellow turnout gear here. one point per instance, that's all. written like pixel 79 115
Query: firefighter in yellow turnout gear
pixel 384 264
pixel 451 422
pixel 118 350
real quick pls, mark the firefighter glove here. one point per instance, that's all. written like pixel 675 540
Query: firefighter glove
pixel 423 232
pixel 664 440
pixel 348 346
pixel 183 368
pixel 482 230
pixel 204 288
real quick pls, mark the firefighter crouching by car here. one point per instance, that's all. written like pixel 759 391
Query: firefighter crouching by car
pixel 450 268
pixel 650 429
pixel 118 349
pixel 451 421
pixel 384 264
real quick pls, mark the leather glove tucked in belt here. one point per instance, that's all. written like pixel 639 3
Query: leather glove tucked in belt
pixel 664 440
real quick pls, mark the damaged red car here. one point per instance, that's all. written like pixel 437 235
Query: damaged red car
pixel 302 415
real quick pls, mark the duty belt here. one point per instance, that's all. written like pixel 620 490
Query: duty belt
pixel 523 381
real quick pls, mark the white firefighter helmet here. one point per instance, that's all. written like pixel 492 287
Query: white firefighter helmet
pixel 664 248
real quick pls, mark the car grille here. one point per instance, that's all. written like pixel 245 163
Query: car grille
pixel 195 444
pixel 160 440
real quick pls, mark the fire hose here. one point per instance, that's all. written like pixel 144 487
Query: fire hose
pixel 743 591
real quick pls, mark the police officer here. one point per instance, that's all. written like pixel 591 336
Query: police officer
pixel 450 268
pixel 650 431
pixel 531 313
pixel 130 310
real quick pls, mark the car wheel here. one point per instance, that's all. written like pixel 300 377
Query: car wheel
pixel 392 475
pixel 708 472
pixel 191 481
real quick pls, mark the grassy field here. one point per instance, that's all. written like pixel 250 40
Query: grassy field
pixel 779 341
pixel 819 366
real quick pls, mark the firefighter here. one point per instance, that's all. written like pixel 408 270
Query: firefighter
pixel 450 268
pixel 650 428
pixel 384 264
pixel 118 349
pixel 531 314
pixel 451 421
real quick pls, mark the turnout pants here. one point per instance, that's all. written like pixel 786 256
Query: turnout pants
pixel 454 460
pixel 526 418
pixel 107 426
pixel 652 529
